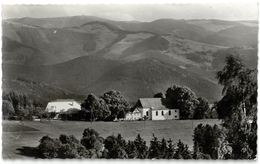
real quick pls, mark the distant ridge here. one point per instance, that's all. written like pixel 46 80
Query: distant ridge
pixel 84 54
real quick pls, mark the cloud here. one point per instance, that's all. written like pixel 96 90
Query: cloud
pixel 116 16
pixel 225 11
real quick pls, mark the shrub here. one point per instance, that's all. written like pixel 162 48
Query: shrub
pixel 199 155
pixel 49 147
pixel 64 147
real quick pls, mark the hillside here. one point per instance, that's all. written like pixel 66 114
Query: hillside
pixel 85 54
pixel 206 31
pixel 40 92
pixel 51 45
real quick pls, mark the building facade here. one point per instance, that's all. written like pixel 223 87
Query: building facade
pixel 62 105
pixel 153 109
pixel 135 115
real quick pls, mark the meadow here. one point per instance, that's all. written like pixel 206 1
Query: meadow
pixel 19 134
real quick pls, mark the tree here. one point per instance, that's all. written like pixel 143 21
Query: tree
pixel 92 141
pixel 24 106
pixel 71 148
pixel 170 150
pixel 95 108
pixel 131 150
pixel 182 98
pixel 115 147
pixel 7 109
pixel 202 109
pixel 237 106
pixel 163 149
pixel 49 147
pixel 182 151
pixel 63 147
pixel 239 88
pixel 206 140
pixel 117 104
pixel 158 95
pixel 141 147
pixel 154 150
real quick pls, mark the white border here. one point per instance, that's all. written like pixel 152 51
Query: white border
pixel 44 2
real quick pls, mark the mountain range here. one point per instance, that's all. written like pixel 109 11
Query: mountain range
pixel 78 55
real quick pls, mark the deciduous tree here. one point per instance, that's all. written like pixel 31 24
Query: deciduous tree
pixel 182 98
pixel 117 104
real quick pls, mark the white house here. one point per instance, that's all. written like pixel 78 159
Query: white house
pixel 62 105
pixel 153 109
pixel 135 115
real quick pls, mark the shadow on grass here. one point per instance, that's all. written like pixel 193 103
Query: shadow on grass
pixel 29 152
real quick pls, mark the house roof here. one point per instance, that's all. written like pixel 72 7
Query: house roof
pixel 65 100
pixel 136 111
pixel 154 103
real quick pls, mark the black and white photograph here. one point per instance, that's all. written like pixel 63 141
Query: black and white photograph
pixel 173 81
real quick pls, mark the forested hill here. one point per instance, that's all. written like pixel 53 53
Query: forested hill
pixel 84 54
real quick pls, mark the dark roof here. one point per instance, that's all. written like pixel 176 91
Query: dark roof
pixel 154 103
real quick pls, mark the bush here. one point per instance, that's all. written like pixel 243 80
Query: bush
pixel 49 115
pixel 49 147
pixel 200 155
pixel 64 147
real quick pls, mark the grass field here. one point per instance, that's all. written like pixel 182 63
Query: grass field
pixel 18 134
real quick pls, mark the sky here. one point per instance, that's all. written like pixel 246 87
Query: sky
pixel 139 12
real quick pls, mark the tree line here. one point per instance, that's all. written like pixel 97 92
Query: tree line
pixel 20 106
pixel 91 145
pixel 108 107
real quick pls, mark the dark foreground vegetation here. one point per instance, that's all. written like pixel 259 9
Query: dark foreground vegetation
pixel 209 142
